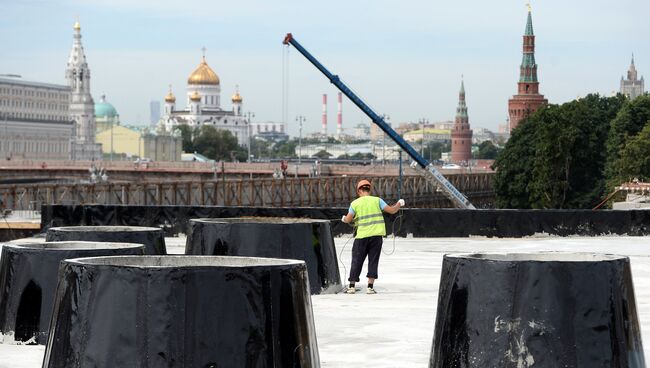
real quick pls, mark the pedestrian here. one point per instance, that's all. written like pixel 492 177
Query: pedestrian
pixel 366 212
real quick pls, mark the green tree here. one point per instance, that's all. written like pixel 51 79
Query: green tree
pixel 555 158
pixel 322 154
pixel 217 144
pixel 513 167
pixel 487 151
pixel 633 160
pixel 187 134
pixel 630 120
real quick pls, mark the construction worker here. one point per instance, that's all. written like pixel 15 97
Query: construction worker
pixel 366 212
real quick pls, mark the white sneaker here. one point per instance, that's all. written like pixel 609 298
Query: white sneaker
pixel 371 291
pixel 350 290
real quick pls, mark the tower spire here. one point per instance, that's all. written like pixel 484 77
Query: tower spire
pixel 528 99
pixel 461 134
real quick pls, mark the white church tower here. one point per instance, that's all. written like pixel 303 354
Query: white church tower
pixel 82 106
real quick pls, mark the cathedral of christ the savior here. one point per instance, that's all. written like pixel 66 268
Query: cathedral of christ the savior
pixel 203 106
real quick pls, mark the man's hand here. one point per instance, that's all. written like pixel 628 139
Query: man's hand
pixel 343 219
pixel 401 203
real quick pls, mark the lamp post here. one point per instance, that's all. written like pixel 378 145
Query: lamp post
pixel 383 149
pixel 423 121
pixel 300 119
pixel 249 114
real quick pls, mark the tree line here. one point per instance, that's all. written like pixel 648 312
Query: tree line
pixel 573 155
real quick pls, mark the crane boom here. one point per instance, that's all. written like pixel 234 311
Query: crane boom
pixel 457 198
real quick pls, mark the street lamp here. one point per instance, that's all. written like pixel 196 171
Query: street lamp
pixel 423 121
pixel 300 119
pixel 249 114
pixel 383 150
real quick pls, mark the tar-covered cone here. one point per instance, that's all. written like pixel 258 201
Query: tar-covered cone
pixel 182 311
pixel 28 278
pixel 153 238
pixel 277 237
pixel 573 310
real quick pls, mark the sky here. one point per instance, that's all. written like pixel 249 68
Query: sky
pixel 403 58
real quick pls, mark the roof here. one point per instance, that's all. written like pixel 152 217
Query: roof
pixel 22 82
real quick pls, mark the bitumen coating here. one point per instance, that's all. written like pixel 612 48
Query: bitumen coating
pixel 394 328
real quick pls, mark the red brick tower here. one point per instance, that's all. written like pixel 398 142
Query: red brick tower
pixel 461 134
pixel 527 100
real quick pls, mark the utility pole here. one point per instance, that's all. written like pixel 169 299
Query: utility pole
pixel 249 114
pixel 423 121
pixel 300 119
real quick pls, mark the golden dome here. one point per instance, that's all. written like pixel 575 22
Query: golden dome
pixel 195 96
pixel 203 74
pixel 170 97
pixel 236 98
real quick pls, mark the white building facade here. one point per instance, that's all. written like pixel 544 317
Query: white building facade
pixel 34 120
pixel 203 106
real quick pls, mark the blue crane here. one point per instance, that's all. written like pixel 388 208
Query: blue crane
pixel 457 198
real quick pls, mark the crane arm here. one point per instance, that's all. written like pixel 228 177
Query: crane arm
pixel 430 172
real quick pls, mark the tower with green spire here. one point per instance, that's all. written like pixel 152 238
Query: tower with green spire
pixel 528 99
pixel 461 134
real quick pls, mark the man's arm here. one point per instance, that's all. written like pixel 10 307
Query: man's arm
pixel 394 208
pixel 347 218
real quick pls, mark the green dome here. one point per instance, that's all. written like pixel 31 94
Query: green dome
pixel 104 109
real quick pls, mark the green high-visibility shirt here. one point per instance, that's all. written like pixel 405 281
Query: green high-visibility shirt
pixel 368 217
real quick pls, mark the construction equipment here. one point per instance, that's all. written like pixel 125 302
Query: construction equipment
pixel 430 172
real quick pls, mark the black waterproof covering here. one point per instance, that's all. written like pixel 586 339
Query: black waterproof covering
pixel 182 311
pixel 287 238
pixel 153 238
pixel 543 310
pixel 28 277
pixel 429 223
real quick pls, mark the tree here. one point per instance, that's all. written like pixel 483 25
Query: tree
pixel 187 136
pixel 633 160
pixel 555 158
pixel 630 120
pixel 487 151
pixel 217 144
pixel 322 154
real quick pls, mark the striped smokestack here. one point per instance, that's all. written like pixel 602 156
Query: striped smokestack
pixel 324 130
pixel 339 116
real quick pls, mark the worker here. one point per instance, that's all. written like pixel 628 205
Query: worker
pixel 366 212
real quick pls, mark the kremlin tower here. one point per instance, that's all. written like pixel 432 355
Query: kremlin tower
pixel 461 134
pixel 527 100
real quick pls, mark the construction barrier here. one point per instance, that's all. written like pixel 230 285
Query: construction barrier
pixel 28 278
pixel 417 222
pixel 287 238
pixel 182 311
pixel 542 310
pixel 152 238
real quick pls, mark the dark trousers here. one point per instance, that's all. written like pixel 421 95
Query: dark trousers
pixel 362 248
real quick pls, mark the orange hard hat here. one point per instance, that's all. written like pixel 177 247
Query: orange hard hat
pixel 363 183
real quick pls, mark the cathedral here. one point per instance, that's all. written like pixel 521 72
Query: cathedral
pixel 82 106
pixel 203 106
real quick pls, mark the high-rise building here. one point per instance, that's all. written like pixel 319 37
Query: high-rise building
pixel 82 106
pixel 461 134
pixel 154 113
pixel 632 87
pixel 528 99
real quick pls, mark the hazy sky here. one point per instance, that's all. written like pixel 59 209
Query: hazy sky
pixel 404 58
